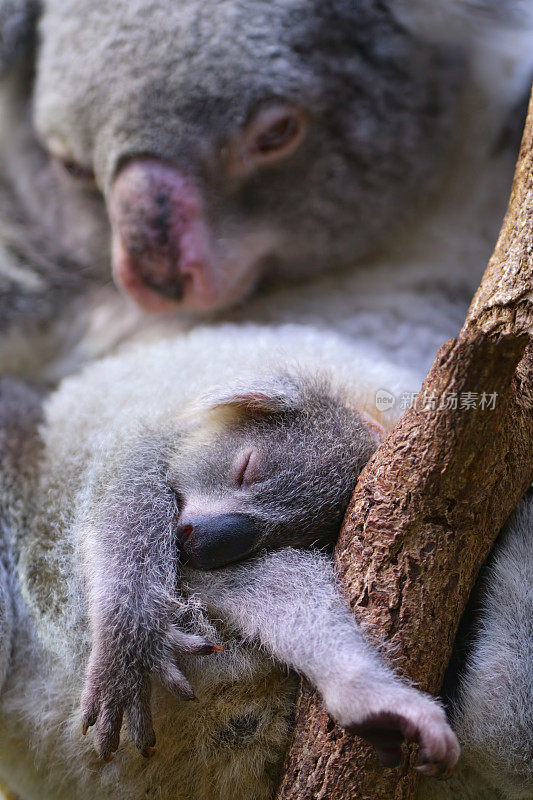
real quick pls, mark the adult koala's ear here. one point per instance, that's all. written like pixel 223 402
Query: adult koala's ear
pixel 457 22
pixel 17 30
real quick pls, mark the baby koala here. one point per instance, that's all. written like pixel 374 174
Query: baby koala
pixel 236 473
pixel 161 480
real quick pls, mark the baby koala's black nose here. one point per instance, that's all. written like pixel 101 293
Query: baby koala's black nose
pixel 208 541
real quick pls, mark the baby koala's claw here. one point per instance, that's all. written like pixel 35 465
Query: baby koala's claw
pixel 107 730
pixel 180 643
pixel 434 763
pixel 174 680
pixel 139 719
pixel 110 691
pixel 439 748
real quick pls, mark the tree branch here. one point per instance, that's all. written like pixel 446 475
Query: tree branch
pixel 429 506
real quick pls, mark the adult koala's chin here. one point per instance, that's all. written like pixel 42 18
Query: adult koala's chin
pixel 204 148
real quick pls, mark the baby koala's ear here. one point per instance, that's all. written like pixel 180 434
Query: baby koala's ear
pixel 375 427
pixel 267 395
pixel 17 29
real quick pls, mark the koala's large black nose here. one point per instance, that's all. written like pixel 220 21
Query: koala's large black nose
pixel 214 540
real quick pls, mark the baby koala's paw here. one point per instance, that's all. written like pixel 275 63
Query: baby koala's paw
pixel 173 644
pixel 386 715
pixel 118 682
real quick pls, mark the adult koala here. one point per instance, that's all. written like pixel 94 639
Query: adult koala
pixel 213 149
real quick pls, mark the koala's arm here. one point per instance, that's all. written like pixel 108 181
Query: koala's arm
pixel 20 447
pixel 130 562
pixel 16 28
pixel 289 603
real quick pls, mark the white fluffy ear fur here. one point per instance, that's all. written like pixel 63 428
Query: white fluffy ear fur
pixel 376 428
pixel 495 37
pixel 265 395
pixel 17 26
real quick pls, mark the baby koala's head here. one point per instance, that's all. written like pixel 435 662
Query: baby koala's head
pixel 267 468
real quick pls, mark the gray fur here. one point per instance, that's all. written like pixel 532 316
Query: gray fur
pixel 502 666
pixel 20 415
pixel 493 709
pixel 17 30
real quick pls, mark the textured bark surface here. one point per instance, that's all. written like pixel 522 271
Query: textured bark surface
pixel 428 507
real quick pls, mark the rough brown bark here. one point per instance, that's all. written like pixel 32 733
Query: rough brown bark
pixel 428 507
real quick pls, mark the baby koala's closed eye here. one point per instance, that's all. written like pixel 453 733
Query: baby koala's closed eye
pixel 264 469
pixel 236 472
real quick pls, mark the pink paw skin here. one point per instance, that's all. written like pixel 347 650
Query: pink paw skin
pixel 387 715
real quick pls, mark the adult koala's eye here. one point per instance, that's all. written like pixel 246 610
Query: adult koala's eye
pixel 246 468
pixel 274 133
pixel 77 171
pixel 280 134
